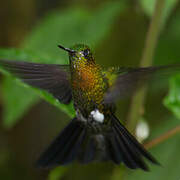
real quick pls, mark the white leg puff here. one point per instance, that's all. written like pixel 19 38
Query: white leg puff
pixel 97 116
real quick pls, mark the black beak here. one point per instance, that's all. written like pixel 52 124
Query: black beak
pixel 67 49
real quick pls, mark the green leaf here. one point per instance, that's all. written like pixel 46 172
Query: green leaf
pixel 12 109
pixel 149 5
pixel 57 173
pixel 172 100
pixel 168 52
pixel 71 26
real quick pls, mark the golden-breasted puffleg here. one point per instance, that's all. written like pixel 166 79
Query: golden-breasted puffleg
pixel 95 133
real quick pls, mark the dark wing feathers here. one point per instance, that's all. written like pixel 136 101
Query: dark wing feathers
pixel 50 77
pixel 129 79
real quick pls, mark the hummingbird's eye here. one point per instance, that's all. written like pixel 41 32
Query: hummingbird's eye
pixel 86 53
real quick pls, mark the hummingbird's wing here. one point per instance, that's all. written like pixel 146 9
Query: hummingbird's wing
pixel 124 81
pixel 50 77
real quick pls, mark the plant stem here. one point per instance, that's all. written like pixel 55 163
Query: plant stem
pixel 138 100
pixel 162 138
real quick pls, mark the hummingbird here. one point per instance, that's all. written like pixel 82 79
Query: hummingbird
pixel 95 133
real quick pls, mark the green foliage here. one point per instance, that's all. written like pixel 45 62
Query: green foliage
pixel 72 26
pixel 13 110
pixel 172 101
pixel 57 173
pixel 168 52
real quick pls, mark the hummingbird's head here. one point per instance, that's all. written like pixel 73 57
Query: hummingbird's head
pixel 79 53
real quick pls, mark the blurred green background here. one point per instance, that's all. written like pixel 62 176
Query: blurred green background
pixel 116 31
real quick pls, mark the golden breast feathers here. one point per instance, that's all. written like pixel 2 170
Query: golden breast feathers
pixel 87 77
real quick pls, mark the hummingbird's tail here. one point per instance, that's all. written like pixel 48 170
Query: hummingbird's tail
pixel 65 147
pixel 123 147
pixel 78 141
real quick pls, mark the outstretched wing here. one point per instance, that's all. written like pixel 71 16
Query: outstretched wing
pixel 127 80
pixel 50 77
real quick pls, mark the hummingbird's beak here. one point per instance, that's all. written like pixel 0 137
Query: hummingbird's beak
pixel 71 51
